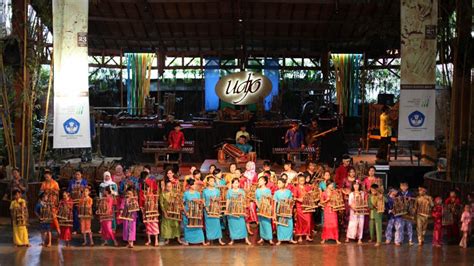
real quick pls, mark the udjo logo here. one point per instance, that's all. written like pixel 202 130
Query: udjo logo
pixel 71 126
pixel 243 88
pixel 416 119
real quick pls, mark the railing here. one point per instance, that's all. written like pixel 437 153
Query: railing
pixel 437 185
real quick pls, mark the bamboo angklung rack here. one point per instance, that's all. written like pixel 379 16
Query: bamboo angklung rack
pixel 361 206
pixel 265 208
pixel 150 209
pixel 214 209
pixel 46 213
pixel 20 215
pixel 130 206
pixel 310 200
pixel 237 206
pixel 65 217
pixel 337 201
pixel 175 206
pixel 284 211
pixel 103 210
pixel 195 214
pixel 223 199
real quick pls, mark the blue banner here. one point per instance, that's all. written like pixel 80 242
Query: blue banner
pixel 211 77
pixel 271 71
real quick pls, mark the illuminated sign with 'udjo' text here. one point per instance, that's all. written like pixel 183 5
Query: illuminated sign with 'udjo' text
pixel 243 88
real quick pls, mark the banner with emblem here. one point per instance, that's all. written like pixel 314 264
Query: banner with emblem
pixel 71 75
pixel 418 70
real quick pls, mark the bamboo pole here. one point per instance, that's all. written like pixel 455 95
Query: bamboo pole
pixel 7 124
pixel 23 120
pixel 44 137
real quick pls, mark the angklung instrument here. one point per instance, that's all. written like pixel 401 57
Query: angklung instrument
pixel 361 206
pixel 214 210
pixel 84 210
pixel 65 215
pixel 53 196
pixel 76 192
pixel 20 214
pixel 104 211
pixel 410 205
pixel 237 206
pixel 46 213
pixel 195 213
pixel 174 208
pixel 130 206
pixel 336 201
pixel 310 200
pixel 150 208
pixel 380 203
pixel 400 206
pixel 265 208
pixel 284 211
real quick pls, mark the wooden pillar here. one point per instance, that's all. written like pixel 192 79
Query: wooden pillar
pixel 121 78
pixel 461 111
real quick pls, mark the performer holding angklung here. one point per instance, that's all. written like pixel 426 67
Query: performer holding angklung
pixel 149 206
pixel 264 201
pixel 330 223
pixel 283 212
pixel 51 187
pixel 304 217
pixel 44 212
pixel 423 206
pixel 212 212
pixel 377 208
pixel 19 214
pixel 235 211
pixel 342 171
pixel 171 205
pixel 85 216
pixel 392 217
pixel 437 214
pixel 358 209
pixel 193 218
pixel 76 188
pixel 107 216
pixel 65 217
pixel 129 213
pixel 248 182
pixel 404 223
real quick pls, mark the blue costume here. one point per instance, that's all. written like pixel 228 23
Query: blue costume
pixel 392 221
pixel 44 227
pixel 192 235
pixel 245 148
pixel 76 226
pixel 284 233
pixel 264 224
pixel 237 227
pixel 295 139
pixel 213 225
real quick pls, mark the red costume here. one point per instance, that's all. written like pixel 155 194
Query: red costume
pixel 437 214
pixel 176 139
pixel 304 220
pixel 341 174
pixel 453 230
pixel 245 184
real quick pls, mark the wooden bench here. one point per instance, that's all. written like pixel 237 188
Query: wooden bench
pixel 161 151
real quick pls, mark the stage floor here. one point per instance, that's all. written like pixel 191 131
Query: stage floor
pixel 239 254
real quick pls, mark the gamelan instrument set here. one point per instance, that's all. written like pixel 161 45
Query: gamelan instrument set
pixel 130 206
pixel 195 213
pixel 284 211
pixel 20 215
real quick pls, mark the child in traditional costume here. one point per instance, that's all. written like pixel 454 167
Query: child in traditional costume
pixel 45 216
pixel 66 206
pixel 437 214
pixel 376 204
pixel 465 222
pixel 330 224
pixel 169 227
pixel 423 206
pixel 19 212
pixel 237 227
pixel 264 223
pixel 284 232
pixel 86 217
pixel 212 224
